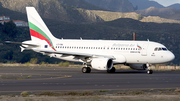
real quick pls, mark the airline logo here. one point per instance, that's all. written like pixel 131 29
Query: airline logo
pixel 139 47
pixel 38 33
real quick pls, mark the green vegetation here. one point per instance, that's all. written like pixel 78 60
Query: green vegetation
pixel 86 93
pixel 63 64
pixel 25 94
pixel 139 17
pixel 34 61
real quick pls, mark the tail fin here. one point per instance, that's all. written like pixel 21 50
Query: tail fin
pixel 38 28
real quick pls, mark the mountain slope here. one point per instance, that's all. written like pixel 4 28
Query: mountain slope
pixel 81 4
pixel 144 4
pixel 53 9
pixel 168 13
pixel 114 5
pixel 152 11
pixel 177 6
pixel 109 16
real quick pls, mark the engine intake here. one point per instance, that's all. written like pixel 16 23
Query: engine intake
pixel 102 63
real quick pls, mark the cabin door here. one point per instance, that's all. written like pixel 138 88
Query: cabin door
pixel 144 50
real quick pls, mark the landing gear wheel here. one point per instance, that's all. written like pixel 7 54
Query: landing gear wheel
pixel 112 70
pixel 86 69
pixel 149 71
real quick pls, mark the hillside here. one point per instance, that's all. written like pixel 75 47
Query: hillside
pixel 110 16
pixel 177 6
pixel 53 9
pixel 152 11
pixel 144 4
pixel 114 5
pixel 81 4
pixel 168 13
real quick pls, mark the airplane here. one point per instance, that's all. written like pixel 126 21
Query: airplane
pixel 96 54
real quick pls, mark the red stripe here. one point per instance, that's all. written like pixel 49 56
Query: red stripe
pixel 38 35
pixel 139 47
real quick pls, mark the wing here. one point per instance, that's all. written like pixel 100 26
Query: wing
pixel 84 55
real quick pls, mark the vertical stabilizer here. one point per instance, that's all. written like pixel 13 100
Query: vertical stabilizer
pixel 38 28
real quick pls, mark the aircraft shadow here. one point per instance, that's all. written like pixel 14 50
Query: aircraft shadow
pixel 118 72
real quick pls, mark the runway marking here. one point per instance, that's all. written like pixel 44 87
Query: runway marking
pixel 65 76
pixel 24 76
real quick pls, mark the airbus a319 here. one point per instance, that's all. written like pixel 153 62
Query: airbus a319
pixel 98 54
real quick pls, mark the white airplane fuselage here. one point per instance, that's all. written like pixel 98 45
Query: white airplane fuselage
pixel 131 52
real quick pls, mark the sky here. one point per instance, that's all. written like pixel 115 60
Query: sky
pixel 167 2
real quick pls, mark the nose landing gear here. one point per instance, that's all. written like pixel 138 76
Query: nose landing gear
pixel 149 71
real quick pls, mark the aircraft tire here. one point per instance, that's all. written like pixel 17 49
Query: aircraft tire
pixel 112 70
pixel 149 71
pixel 86 69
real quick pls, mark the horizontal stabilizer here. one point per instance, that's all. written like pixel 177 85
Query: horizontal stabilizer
pixel 33 45
pixel 22 48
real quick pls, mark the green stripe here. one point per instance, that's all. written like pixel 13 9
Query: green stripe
pixel 37 29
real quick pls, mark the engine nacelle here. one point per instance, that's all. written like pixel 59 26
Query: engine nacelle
pixel 138 66
pixel 102 63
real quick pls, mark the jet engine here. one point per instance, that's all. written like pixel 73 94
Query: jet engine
pixel 138 66
pixel 102 63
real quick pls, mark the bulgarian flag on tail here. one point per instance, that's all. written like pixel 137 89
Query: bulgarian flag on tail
pixel 37 27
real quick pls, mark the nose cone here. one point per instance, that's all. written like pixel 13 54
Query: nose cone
pixel 171 56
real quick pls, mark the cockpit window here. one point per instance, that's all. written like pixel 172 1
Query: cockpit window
pixel 165 49
pixel 156 49
pixel 160 49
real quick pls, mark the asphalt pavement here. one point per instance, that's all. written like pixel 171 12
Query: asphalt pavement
pixel 18 79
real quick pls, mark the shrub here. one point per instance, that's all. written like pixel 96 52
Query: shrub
pixel 34 60
pixel 139 16
pixel 63 64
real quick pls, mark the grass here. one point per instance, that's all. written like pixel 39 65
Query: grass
pixel 46 93
pixel 169 94
pixel 113 92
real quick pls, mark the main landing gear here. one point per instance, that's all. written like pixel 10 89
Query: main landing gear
pixel 149 71
pixel 86 69
pixel 112 70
